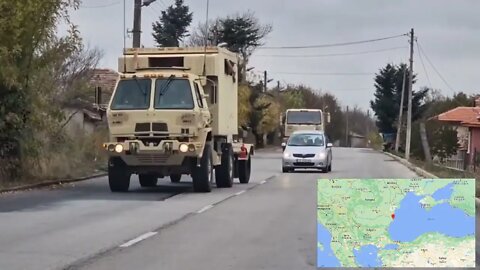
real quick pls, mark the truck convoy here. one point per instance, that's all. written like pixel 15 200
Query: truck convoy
pixel 174 112
pixel 303 119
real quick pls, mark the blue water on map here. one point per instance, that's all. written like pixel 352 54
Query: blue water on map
pixel 367 256
pixel 391 247
pixel 325 256
pixel 444 193
pixel 411 220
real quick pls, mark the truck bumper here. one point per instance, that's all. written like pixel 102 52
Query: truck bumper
pixel 166 153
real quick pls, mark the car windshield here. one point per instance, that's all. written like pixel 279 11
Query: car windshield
pixel 176 94
pixel 298 117
pixel 132 94
pixel 306 140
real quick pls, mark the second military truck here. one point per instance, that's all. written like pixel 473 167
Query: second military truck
pixel 174 112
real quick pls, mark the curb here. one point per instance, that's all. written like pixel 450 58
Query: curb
pixel 417 170
pixel 52 183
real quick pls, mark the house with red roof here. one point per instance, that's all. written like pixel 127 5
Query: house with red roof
pixel 467 123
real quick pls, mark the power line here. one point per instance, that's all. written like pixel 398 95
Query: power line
pixel 423 64
pixel 324 73
pixel 438 73
pixel 333 54
pixel 103 6
pixel 333 44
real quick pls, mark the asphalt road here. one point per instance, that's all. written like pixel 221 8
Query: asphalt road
pixel 263 225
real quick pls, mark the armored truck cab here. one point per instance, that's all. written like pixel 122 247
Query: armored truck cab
pixel 174 112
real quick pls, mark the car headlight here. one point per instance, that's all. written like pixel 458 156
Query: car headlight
pixel 183 148
pixel 286 155
pixel 322 155
pixel 118 148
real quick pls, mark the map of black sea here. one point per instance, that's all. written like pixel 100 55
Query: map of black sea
pixel 396 223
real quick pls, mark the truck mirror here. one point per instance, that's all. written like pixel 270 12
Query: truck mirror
pixel 284 145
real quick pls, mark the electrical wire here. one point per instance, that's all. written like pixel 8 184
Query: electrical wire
pixel 324 73
pixel 333 44
pixel 328 55
pixel 423 64
pixel 103 6
pixel 435 69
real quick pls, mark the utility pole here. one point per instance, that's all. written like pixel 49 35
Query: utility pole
pixel 265 81
pixel 368 123
pixel 346 129
pixel 400 113
pixel 410 84
pixel 137 20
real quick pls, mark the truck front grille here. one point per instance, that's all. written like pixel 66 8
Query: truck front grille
pixel 162 127
pixel 152 158
pixel 142 127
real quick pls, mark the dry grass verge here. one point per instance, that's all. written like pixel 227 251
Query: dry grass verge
pixel 73 158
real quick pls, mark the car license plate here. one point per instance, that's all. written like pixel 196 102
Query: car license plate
pixel 303 160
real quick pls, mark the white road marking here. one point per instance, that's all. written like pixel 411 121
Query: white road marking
pixel 263 182
pixel 240 192
pixel 204 209
pixel 138 239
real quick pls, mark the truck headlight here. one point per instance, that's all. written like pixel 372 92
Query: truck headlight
pixel 183 148
pixel 321 155
pixel 118 148
pixel 286 155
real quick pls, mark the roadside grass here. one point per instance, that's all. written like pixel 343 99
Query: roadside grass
pixel 80 157
pixel 443 172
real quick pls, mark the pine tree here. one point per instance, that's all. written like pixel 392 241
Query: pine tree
pixel 172 26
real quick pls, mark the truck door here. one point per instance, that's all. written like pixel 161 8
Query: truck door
pixel 202 104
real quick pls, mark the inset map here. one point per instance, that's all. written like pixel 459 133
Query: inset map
pixel 396 223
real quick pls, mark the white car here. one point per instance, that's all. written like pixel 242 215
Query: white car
pixel 307 149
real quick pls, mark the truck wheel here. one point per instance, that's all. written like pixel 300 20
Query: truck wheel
pixel 147 180
pixel 118 175
pixel 244 168
pixel 202 176
pixel 175 178
pixel 224 172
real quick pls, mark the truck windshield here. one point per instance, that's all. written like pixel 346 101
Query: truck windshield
pixel 304 118
pixel 306 140
pixel 177 95
pixel 132 94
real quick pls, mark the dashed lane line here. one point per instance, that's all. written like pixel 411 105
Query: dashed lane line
pixel 138 239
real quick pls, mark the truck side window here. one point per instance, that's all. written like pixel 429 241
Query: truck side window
pixel 199 96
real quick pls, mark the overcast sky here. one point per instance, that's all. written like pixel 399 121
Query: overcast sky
pixel 447 31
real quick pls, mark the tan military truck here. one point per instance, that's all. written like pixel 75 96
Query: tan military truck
pixel 174 112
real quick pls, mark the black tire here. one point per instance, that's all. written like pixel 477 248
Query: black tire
pixel 330 167
pixel 202 175
pixel 118 175
pixel 224 173
pixel 175 178
pixel 244 169
pixel 147 180
pixel 285 170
